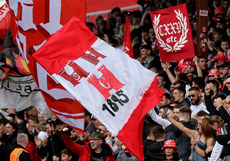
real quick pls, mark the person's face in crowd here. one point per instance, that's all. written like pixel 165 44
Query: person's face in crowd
pixel 169 151
pixel 49 128
pixel 203 63
pixel 228 32
pixel 170 113
pixel 9 130
pixel 26 143
pixel 202 97
pixel 194 97
pixel 74 134
pixel 211 86
pixel 119 20
pixel 220 25
pixel 66 157
pixel 227 81
pixel 199 121
pixel 102 130
pixel 224 71
pixel 96 122
pixel 95 143
pixel 161 82
pixel 145 35
pixel 33 112
pixel 177 95
pixel 41 119
pixel 226 4
pixel 164 101
pixel 176 114
pixel 161 111
pixel 145 53
pixel 225 45
pixel 59 127
pixel 216 36
pixel 151 34
pixel 10 119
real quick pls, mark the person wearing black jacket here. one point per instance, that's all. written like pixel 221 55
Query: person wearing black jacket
pixel 181 139
pixel 19 153
pixel 153 143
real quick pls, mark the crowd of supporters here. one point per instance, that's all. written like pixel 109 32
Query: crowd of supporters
pixel 190 123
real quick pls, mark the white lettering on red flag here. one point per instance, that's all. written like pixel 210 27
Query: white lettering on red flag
pixel 116 89
pixel 173 33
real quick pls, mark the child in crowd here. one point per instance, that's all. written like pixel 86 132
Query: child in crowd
pixel 170 150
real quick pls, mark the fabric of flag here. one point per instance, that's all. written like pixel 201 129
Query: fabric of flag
pixel 173 33
pixel 18 88
pixel 116 89
pixel 127 39
pixel 35 21
pixel 5 16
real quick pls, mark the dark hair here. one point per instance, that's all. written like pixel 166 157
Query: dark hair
pixel 199 81
pixel 214 82
pixel 219 96
pixel 178 105
pixel 99 135
pixel 185 109
pixel 180 88
pixel 67 152
pixel 173 102
pixel 194 89
pixel 167 95
pixel 182 83
pixel 201 114
pixel 158 132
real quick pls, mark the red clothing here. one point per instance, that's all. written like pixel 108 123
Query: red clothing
pixel 31 149
pixel 84 151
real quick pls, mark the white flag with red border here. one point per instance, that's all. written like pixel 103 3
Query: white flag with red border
pixel 118 90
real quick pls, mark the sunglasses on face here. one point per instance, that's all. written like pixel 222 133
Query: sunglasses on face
pixel 192 95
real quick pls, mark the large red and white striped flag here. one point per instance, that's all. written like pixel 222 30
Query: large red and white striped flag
pixel 118 90
pixel 35 21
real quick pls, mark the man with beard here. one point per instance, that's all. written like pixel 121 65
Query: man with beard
pixel 196 102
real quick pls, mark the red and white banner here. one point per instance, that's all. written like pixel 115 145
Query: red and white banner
pixel 35 21
pixel 173 33
pixel 127 39
pixel 116 89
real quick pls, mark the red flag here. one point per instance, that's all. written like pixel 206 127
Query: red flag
pixel 173 33
pixel 5 16
pixel 35 21
pixel 127 39
pixel 101 87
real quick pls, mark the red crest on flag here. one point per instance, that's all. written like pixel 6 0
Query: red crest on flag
pixel 173 33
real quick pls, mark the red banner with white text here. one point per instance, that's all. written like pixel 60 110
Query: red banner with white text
pixel 173 33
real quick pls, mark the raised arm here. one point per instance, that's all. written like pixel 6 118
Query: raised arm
pixel 190 133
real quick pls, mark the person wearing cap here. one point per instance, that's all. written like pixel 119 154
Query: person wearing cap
pixel 170 150
pixel 220 12
pixel 213 74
